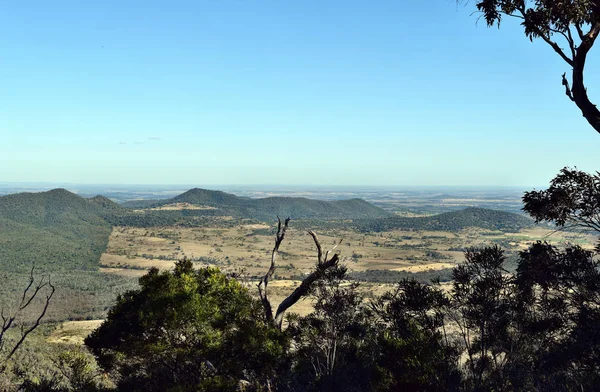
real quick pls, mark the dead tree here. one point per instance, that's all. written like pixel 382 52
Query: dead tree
pixel 323 264
pixel 10 319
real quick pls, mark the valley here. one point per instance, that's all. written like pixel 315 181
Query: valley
pixel 95 247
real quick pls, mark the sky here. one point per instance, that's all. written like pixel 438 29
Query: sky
pixel 210 92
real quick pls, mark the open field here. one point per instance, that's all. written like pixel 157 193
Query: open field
pixel 246 249
pixel 73 332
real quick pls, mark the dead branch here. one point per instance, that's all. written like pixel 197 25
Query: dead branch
pixel 323 264
pixel 27 298
pixel 262 285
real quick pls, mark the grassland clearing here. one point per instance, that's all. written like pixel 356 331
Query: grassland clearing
pixel 73 332
pixel 245 249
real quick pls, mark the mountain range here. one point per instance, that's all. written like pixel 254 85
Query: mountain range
pixel 58 228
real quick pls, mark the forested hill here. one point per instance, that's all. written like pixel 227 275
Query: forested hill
pixel 51 229
pixel 269 207
pixel 199 196
pixel 451 221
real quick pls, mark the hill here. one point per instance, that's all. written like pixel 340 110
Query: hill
pixel 105 203
pixel 199 196
pixel 54 229
pixel 226 204
pixel 451 221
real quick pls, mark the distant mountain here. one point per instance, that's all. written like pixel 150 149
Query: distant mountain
pixel 105 203
pixel 303 208
pixel 199 196
pixel 451 221
pixel 55 228
pixel 59 229
pixel 269 207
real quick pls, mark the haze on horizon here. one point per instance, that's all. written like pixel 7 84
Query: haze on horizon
pixel 343 93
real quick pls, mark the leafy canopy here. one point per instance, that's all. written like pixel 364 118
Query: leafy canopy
pixel 187 330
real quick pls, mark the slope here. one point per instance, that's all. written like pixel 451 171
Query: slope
pixel 55 230
pixel 451 221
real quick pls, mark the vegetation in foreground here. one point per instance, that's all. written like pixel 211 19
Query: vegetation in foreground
pixel 199 329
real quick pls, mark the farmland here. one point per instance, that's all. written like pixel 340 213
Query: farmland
pixel 376 259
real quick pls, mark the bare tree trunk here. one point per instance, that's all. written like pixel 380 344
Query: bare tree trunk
pixel 324 263
pixel 262 285
pixel 578 93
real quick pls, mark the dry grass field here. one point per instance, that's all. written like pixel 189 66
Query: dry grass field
pixel 247 248
pixel 131 251
pixel 73 332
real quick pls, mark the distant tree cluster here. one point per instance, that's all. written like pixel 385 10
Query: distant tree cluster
pixel 449 221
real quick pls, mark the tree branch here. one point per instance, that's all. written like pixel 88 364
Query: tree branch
pixel 8 320
pixel 304 289
pixel 262 285
pixel 37 321
pixel 546 37
pixel 579 31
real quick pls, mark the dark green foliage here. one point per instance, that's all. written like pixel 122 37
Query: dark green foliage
pixel 333 351
pixel 395 344
pixel 543 17
pixel 414 348
pixel 450 221
pixel 105 203
pixel 388 276
pixel 482 296
pixel 571 201
pixel 199 196
pixel 558 296
pixel 187 330
pixel 56 230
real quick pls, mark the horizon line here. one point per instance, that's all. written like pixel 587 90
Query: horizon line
pixel 46 183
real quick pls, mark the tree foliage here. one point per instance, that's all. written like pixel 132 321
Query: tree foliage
pixel 574 23
pixel 187 330
pixel 571 201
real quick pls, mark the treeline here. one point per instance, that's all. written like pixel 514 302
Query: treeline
pixel 387 276
pixel 450 221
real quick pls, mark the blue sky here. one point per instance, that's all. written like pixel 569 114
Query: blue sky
pixel 281 92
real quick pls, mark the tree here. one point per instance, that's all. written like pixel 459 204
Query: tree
pixel 481 299
pixel 31 294
pixel 574 22
pixel 333 345
pixel 188 329
pixel 558 298
pixel 324 264
pixel 560 289
pixel 572 201
pixel 412 341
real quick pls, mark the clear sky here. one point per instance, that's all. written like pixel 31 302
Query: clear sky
pixel 281 92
